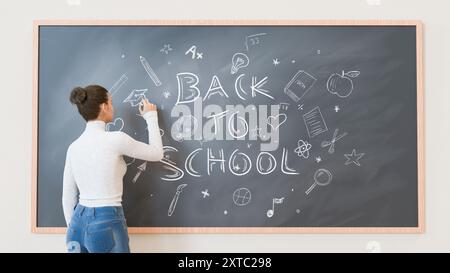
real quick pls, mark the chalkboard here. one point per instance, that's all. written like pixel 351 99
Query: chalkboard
pixel 289 126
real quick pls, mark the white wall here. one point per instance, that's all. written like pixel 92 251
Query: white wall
pixel 15 109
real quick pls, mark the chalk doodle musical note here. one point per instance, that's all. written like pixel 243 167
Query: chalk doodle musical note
pixel 271 212
pixel 331 143
pixel 174 202
pixel 150 71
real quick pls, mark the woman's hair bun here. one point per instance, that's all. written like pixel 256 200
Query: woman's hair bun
pixel 78 96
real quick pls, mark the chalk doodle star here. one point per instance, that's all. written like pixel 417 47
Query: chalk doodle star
pixel 302 149
pixel 166 49
pixel 205 193
pixel 275 62
pixel 353 158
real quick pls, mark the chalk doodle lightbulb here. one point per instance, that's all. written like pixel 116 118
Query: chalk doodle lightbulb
pixel 238 61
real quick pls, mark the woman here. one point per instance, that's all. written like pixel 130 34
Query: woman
pixel 94 168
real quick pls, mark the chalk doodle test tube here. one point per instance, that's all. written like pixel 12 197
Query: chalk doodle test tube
pixel 150 71
pixel 314 122
pixel 299 85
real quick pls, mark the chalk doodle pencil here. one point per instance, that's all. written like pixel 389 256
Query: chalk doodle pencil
pixel 150 71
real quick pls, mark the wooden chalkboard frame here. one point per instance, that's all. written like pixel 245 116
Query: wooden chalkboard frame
pixel 420 123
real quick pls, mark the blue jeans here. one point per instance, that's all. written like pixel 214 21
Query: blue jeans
pixel 97 230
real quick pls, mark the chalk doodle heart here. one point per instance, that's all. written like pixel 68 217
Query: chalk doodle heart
pixel 280 118
pixel 117 125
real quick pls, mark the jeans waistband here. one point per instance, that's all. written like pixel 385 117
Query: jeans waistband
pixel 99 211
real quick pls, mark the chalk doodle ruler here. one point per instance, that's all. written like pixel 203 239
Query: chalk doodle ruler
pixel 315 124
pixel 150 71
pixel 118 84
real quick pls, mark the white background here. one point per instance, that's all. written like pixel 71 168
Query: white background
pixel 16 23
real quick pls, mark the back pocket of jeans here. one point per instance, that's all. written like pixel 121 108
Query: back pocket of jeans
pixel 100 238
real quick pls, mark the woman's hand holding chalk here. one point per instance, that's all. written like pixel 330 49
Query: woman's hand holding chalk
pixel 145 106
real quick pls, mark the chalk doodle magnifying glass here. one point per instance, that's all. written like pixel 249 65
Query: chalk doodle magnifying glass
pixel 322 177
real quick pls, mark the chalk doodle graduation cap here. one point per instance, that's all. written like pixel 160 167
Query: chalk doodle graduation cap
pixel 136 96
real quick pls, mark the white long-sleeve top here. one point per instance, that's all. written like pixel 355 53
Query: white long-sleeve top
pixel 95 167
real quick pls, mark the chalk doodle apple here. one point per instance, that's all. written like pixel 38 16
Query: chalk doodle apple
pixel 341 84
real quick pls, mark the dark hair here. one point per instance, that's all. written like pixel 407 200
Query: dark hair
pixel 88 100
